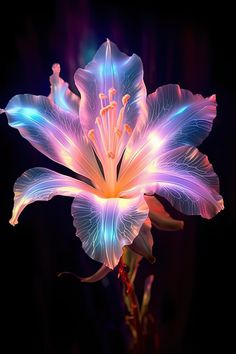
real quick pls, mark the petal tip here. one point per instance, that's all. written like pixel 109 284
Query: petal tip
pixel 56 68
pixel 213 98
pixel 13 222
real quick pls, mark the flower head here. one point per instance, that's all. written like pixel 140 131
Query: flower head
pixel 127 144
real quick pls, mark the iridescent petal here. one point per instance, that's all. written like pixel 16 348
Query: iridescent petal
pixel 187 180
pixel 159 216
pixel 61 94
pixel 43 184
pixel 176 118
pixel 111 68
pixel 143 243
pixel 179 117
pixel 106 225
pixel 52 131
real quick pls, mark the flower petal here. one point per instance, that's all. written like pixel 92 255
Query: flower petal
pixel 187 180
pixel 100 274
pixel 43 184
pixel 111 68
pixel 143 243
pixel 176 118
pixel 179 117
pixel 106 225
pixel 61 94
pixel 54 132
pixel 160 218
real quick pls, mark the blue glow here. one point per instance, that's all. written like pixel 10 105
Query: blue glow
pixel 181 110
pixel 25 112
pixel 60 99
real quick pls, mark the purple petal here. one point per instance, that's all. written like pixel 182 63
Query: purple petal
pixel 100 274
pixel 111 68
pixel 143 243
pixel 43 184
pixel 179 117
pixel 54 132
pixel 61 94
pixel 105 226
pixel 187 180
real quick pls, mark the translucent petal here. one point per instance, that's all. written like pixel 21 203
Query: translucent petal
pixel 54 132
pixel 187 180
pixel 106 225
pixel 43 184
pixel 143 243
pixel 61 94
pixel 111 68
pixel 176 118
pixel 179 117
pixel 159 216
pixel 100 274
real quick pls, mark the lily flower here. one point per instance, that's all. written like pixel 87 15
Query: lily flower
pixel 128 145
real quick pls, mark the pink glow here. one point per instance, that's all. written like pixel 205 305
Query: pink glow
pixel 156 134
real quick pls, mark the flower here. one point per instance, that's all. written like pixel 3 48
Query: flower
pixel 128 145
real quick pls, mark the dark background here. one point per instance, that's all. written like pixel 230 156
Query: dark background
pixel 192 45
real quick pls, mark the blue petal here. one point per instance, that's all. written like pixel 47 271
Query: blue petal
pixel 42 184
pixel 106 225
pixel 179 117
pixel 53 131
pixel 111 68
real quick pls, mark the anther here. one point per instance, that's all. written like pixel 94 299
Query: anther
pixel 118 132
pixel 91 134
pixel 102 96
pixel 111 93
pixel 125 99
pixel 128 129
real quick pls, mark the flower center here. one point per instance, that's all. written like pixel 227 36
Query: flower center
pixel 108 139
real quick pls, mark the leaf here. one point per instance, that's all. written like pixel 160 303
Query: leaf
pixel 147 295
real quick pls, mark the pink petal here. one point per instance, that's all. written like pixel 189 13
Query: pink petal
pixel 100 274
pixel 187 180
pixel 105 226
pixel 61 94
pixel 54 132
pixel 159 217
pixel 43 184
pixel 111 68
pixel 143 243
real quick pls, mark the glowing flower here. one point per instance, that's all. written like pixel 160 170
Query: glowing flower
pixel 127 144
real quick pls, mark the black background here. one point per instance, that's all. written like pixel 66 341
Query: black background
pixel 192 45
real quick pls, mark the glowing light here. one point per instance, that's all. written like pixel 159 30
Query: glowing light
pixel 124 143
pixel 181 110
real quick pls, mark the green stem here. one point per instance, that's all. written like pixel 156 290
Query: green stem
pixel 134 308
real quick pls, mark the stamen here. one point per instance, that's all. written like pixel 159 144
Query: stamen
pixel 104 110
pixel 128 129
pixel 99 124
pixel 102 97
pixel 91 134
pixel 125 99
pixel 118 132
pixel 111 93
